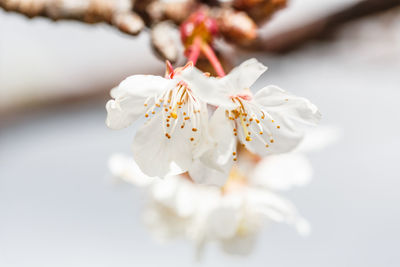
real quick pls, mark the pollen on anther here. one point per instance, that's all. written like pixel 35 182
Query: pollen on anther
pixel 182 126
pixel 153 112
pixel 194 129
pixel 251 119
pixel 186 118
pixel 167 135
pixel 184 113
pixel 166 110
pixel 146 115
pixel 272 140
pixel 266 145
pixel 261 132
pixel 247 125
pixel 192 139
pixel 257 120
pixel 145 105
pixel 278 127
pixel 167 124
pixel 272 120
pixel 248 138
pixel 234 153
pixel 235 134
pixel 234 159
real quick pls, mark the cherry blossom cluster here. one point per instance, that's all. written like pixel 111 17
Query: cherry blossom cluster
pixel 194 122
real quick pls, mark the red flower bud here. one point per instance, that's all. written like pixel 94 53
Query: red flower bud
pixel 200 25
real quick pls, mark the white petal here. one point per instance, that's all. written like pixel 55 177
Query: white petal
pixel 286 117
pixel 202 174
pixel 282 172
pixel 131 95
pixel 220 156
pixel 209 89
pixel 158 155
pixel 243 76
pixel 294 108
pixel 125 168
pixel 224 220
pixel 275 208
pixel 215 164
pixel 272 140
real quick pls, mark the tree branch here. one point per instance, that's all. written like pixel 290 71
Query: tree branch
pixel 117 13
pixel 290 40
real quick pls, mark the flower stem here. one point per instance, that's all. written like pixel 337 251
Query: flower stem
pixel 195 50
pixel 209 53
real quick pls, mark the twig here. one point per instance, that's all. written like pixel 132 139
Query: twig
pixel 294 38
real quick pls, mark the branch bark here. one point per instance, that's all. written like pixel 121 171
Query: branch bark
pixel 117 13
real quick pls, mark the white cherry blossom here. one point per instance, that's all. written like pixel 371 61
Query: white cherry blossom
pixel 271 121
pixel 175 130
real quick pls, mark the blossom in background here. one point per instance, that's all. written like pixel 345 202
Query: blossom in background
pixel 175 131
pixel 233 215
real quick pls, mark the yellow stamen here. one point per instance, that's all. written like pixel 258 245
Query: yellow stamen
pixel 246 132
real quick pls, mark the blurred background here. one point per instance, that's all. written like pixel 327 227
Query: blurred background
pixel 59 205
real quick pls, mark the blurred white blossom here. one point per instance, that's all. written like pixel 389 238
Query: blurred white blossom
pixel 233 215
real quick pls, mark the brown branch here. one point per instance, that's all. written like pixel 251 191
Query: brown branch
pixel 117 13
pixel 294 38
